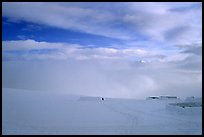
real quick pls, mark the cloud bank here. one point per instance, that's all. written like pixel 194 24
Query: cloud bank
pixel 108 72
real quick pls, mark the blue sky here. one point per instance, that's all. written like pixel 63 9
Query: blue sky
pixel 28 30
pixel 124 36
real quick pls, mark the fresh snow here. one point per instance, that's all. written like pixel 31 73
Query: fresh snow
pixel 35 112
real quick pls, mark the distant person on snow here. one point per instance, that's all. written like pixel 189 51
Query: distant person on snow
pixel 102 98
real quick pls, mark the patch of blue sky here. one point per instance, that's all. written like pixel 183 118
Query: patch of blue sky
pixel 42 51
pixel 33 51
pixel 20 30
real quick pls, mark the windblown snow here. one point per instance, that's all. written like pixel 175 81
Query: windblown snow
pixel 35 112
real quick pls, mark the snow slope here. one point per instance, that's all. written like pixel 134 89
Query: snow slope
pixel 33 112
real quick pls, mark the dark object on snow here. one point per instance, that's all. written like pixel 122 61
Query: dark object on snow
pixel 152 97
pixel 102 98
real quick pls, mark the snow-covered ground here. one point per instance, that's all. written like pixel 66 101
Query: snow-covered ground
pixel 34 112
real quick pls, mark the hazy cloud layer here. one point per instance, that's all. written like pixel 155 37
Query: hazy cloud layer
pixel 100 71
pixel 103 78
pixel 30 49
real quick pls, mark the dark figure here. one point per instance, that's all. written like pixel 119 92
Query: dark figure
pixel 102 98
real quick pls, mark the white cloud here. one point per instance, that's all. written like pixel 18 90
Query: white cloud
pixel 32 50
pixel 66 51
pixel 175 57
pixel 156 20
pixel 28 45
